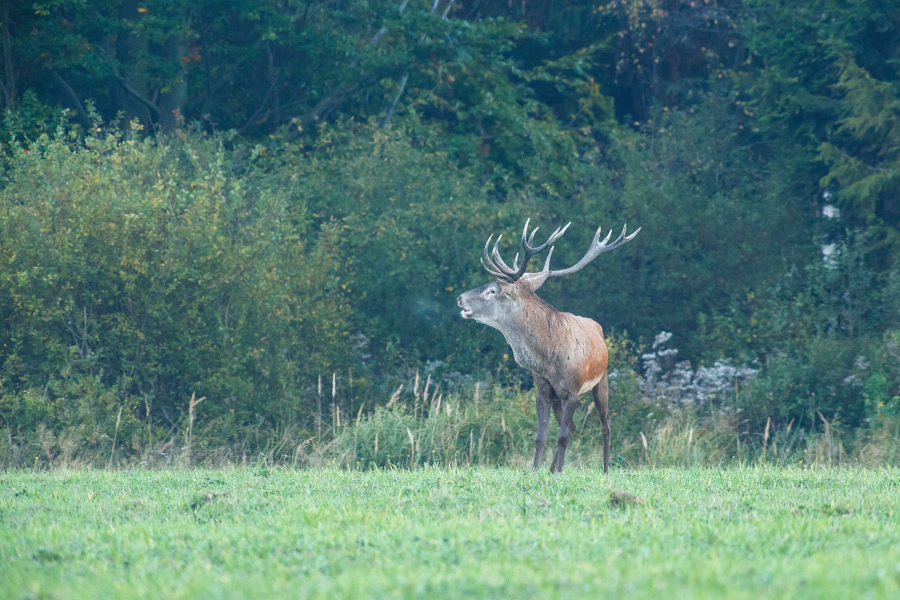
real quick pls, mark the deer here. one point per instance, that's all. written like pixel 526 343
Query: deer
pixel 566 354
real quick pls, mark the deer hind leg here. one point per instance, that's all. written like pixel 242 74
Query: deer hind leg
pixel 600 392
pixel 566 429
pixel 556 405
pixel 544 400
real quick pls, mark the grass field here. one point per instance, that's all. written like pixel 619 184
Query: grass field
pixel 257 532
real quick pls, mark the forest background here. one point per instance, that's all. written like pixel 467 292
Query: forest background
pixel 273 205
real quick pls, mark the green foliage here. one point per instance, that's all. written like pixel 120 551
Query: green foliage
pixel 154 268
pixel 836 319
pixel 864 158
pixel 409 218
pixel 823 87
pixel 719 234
pixel 880 391
pixel 267 67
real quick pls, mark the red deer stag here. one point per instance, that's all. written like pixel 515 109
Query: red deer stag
pixel 566 353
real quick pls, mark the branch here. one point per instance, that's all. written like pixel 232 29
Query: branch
pixel 211 90
pixel 341 91
pixel 447 10
pixel 333 98
pixel 389 109
pixel 253 118
pixel 131 91
pixel 135 94
pixel 401 85
pixel 83 117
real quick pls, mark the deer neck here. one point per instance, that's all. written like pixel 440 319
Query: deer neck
pixel 526 331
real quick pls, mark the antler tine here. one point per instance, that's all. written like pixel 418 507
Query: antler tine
pixel 547 260
pixel 555 236
pixel 558 233
pixel 552 239
pixel 498 260
pixel 488 264
pixel 496 274
pixel 487 245
pixel 619 240
pixel 597 237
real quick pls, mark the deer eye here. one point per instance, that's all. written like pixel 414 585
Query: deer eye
pixel 492 291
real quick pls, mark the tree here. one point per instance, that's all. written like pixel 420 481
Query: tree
pixel 822 84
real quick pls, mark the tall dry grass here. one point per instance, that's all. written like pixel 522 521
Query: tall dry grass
pixel 424 424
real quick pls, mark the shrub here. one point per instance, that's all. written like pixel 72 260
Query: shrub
pixel 137 271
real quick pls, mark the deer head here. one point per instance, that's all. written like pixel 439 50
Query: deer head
pixel 493 303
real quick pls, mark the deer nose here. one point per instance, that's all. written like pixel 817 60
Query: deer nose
pixel 459 300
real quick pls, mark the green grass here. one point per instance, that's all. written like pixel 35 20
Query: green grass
pixel 257 532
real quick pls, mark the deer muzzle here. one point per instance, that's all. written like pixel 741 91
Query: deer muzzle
pixel 466 312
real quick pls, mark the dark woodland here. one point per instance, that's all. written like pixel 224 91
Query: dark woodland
pixel 274 204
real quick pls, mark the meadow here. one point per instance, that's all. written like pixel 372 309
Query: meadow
pixel 737 532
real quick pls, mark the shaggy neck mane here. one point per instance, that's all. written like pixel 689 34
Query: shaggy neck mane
pixel 522 330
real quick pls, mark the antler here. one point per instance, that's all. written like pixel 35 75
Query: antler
pixel 495 265
pixel 597 248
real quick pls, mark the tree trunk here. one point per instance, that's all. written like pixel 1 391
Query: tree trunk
pixel 8 83
pixel 174 97
pixel 132 58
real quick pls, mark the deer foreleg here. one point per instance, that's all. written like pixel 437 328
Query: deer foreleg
pixel 543 412
pixel 566 429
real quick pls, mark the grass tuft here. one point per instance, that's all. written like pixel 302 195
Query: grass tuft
pixel 619 499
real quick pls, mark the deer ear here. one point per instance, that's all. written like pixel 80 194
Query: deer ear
pixel 509 289
pixel 535 280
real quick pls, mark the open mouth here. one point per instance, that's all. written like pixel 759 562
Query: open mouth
pixel 466 313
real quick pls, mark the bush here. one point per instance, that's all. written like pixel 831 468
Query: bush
pixel 147 269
